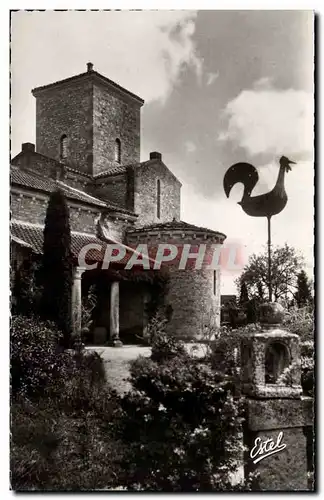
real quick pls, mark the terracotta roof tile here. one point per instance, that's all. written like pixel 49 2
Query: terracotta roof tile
pixel 33 236
pixel 174 225
pixel 33 181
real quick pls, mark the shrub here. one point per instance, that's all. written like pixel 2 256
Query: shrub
pixel 301 322
pixel 180 423
pixel 55 447
pixel 36 363
pixel 62 414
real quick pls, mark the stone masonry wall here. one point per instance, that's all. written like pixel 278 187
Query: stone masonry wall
pixel 66 109
pixel 192 298
pixel 112 189
pixel 194 305
pixel 46 167
pixel 145 193
pixel 32 209
pixel 114 117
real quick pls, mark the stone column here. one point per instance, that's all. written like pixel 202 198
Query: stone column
pixel 77 302
pixel 114 315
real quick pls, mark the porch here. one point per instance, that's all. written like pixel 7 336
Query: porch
pixel 121 306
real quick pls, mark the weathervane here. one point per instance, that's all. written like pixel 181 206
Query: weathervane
pixel 264 205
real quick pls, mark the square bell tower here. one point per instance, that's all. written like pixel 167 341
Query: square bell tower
pixel 88 122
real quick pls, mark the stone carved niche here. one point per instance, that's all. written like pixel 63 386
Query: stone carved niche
pixel 277 359
pixel 264 357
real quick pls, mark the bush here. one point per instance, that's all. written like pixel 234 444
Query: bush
pixel 180 423
pixel 62 414
pixel 56 446
pixel 37 365
pixel 301 322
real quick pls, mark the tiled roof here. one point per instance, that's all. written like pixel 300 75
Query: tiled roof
pixel 32 235
pixel 26 179
pixel 88 74
pixel 120 169
pixel 174 225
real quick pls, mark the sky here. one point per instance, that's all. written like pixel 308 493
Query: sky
pixel 219 87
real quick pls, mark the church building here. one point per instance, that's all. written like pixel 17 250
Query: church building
pixel 88 146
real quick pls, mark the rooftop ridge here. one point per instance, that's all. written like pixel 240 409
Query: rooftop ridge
pixel 88 74
pixel 173 225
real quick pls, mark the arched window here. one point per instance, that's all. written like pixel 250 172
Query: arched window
pixel 118 150
pixel 214 282
pixel 63 147
pixel 158 199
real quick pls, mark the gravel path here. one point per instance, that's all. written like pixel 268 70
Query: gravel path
pixel 116 360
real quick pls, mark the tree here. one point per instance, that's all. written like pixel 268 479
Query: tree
pixel 303 295
pixel 244 295
pixel 57 265
pixel 180 423
pixel 285 265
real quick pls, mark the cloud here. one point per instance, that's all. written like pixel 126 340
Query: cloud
pixel 211 78
pixel 270 121
pixel 146 51
pixel 190 147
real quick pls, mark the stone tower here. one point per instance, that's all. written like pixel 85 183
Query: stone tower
pixel 193 290
pixel 88 122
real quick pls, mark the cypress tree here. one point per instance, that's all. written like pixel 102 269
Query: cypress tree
pixel 244 295
pixel 57 265
pixel 303 295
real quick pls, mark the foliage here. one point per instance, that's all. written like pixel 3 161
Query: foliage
pixel 26 290
pixel 67 443
pixel 285 264
pixel 88 306
pixel 307 367
pixel 62 414
pixel 180 423
pixel 57 265
pixel 36 363
pixel 303 295
pixel 39 367
pixel 301 322
pixel 244 294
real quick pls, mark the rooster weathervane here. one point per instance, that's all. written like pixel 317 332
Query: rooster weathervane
pixel 264 205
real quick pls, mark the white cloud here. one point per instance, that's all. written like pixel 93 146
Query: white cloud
pixel 211 78
pixel 190 147
pixel 146 52
pixel 271 121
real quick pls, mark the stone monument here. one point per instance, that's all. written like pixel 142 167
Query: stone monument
pixel 277 414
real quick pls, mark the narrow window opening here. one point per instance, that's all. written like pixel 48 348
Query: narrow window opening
pixel 63 147
pixel 118 150
pixel 214 282
pixel 158 199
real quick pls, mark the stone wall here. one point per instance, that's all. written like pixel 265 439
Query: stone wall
pixel 191 298
pixel 145 193
pixel 66 109
pixel 116 227
pixel 114 117
pixel 30 208
pixel 113 189
pixel 195 306
pixel 47 167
